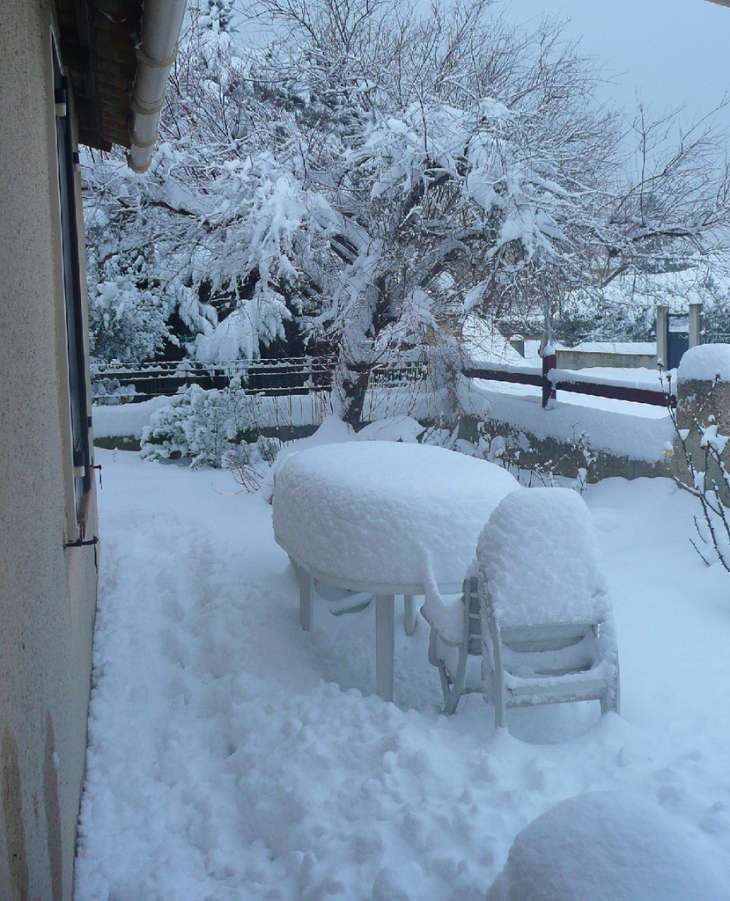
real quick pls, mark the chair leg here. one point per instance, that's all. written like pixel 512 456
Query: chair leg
pixel 611 698
pixel 458 684
pixel 451 698
pixel 497 676
pixel 457 690
pixel 500 711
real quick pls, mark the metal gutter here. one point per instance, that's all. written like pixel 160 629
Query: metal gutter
pixel 161 25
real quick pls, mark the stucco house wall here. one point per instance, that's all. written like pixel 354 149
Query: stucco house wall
pixel 47 590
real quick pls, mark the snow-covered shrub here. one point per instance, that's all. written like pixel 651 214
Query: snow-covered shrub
pixel 127 323
pixel 205 426
pixel 607 845
pixel 108 391
pixel 512 450
pixel 247 462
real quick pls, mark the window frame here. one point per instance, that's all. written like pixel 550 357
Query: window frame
pixel 74 320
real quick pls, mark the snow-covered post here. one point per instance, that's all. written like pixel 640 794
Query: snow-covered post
pixel 517 342
pixel 695 324
pixel 700 454
pixel 547 348
pixel 703 414
pixel 549 362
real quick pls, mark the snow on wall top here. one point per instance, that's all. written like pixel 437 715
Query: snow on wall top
pixel 634 437
pixel 705 362
pixel 612 347
pixel 539 556
pixel 385 512
pixel 602 846
pixel 126 419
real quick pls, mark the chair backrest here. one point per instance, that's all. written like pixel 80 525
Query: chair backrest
pixel 539 560
pixel 472 616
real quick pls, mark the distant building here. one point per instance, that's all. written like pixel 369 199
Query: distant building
pixel 69 72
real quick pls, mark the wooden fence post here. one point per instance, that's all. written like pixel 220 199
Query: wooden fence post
pixel 548 363
pixel 662 334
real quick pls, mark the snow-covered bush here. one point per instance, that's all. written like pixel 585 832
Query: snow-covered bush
pixel 107 391
pixel 211 428
pixel 602 846
pixel 127 324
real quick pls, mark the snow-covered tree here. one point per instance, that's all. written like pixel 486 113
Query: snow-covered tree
pixel 671 209
pixel 463 160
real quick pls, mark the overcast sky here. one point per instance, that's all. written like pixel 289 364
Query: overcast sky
pixel 669 52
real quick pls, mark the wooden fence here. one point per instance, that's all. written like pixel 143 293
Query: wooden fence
pixel 551 380
pixel 274 378
pixel 302 375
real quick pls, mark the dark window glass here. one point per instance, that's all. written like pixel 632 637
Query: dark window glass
pixel 72 290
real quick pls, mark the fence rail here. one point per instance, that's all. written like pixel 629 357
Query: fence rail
pixel 292 376
pixel 551 380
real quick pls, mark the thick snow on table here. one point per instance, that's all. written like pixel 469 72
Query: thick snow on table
pixel 382 511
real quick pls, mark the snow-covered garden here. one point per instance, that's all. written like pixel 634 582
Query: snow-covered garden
pixel 234 756
pixel 367 185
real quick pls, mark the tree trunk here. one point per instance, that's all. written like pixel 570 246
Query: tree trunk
pixel 353 385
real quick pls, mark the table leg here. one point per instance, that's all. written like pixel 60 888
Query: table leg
pixel 411 614
pixel 384 645
pixel 306 597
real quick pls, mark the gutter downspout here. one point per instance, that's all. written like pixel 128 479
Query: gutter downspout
pixel 161 25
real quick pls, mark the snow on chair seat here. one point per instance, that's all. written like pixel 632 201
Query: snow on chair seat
pixel 547 627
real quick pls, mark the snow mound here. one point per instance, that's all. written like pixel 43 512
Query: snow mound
pixel 539 556
pixel 393 428
pixel 385 512
pixel 332 431
pixel 704 363
pixel 605 846
pixel 126 419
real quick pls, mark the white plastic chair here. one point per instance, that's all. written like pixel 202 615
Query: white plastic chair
pixel 456 633
pixel 547 627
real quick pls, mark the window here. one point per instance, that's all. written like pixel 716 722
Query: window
pixel 73 294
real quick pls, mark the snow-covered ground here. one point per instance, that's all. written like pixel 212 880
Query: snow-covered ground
pixel 234 756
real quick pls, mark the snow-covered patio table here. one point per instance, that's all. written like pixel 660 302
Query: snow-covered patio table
pixel 385 518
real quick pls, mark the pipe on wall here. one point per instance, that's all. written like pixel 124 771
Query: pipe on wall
pixel 161 24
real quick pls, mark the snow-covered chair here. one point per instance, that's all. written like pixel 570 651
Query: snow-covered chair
pixel 456 633
pixel 547 627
